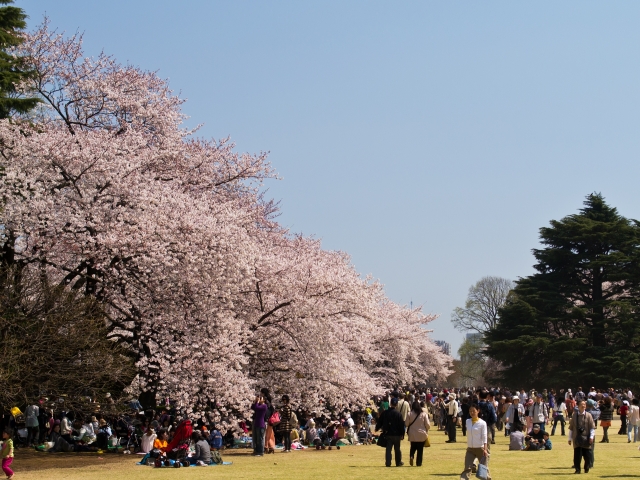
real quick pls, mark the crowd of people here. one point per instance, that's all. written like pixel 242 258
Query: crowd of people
pixel 525 418
pixel 165 437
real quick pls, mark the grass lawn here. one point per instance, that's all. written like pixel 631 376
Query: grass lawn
pixel 617 459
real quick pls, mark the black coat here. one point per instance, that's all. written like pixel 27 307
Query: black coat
pixel 391 423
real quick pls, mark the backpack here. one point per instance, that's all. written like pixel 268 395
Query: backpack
pixel 486 414
pixel 216 439
pixel 216 457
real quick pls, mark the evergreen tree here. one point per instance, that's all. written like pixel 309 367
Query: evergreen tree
pixel 577 320
pixel 12 21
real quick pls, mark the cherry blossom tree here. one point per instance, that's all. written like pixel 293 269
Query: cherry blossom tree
pixel 105 192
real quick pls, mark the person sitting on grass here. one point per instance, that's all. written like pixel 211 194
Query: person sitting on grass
pixel 546 442
pixel 351 437
pixel 86 433
pixel 516 439
pixel 147 440
pixel 535 439
pixel 159 444
pixel 311 433
pixel 215 438
pixel 202 456
pixel 332 435
pixel 55 433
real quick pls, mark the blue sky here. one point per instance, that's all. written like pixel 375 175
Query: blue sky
pixel 429 140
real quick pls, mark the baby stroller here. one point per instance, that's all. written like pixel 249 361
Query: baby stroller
pixel 19 427
pixel 127 436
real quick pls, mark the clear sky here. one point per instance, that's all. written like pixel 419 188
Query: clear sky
pixel 429 140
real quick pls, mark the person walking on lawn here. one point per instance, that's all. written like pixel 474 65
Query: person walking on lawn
pixel 582 431
pixel 418 425
pixel 392 427
pixel 476 443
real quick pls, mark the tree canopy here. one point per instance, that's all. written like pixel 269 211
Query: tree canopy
pixel 577 318
pixel 484 300
pixel 107 194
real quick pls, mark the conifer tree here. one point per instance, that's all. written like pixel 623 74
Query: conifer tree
pixel 577 320
pixel 12 21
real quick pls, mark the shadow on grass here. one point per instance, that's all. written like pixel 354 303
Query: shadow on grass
pixel 555 474
pixel 619 476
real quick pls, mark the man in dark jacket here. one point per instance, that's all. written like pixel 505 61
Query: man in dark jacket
pixel 488 415
pixel 392 427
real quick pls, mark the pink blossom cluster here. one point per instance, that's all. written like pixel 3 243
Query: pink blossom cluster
pixel 106 192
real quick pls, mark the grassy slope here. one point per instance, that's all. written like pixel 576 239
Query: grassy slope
pixel 617 459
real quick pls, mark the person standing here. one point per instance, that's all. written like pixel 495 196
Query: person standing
pixel 33 425
pixel 452 418
pixel 418 425
pixel 606 416
pixel 464 406
pixel 284 427
pixel 582 431
pixel 515 414
pixel 539 412
pixel 488 415
pixel 476 443
pixel 624 410
pixel 403 407
pixel 269 434
pixel 633 421
pixel 558 415
pixel 392 427
pixel 258 426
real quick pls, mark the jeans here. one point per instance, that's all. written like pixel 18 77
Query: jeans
pixel 559 418
pixel 393 442
pixel 257 435
pixel 417 447
pixel 287 440
pixel 33 433
pixel 633 428
pixel 491 433
pixel 469 459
